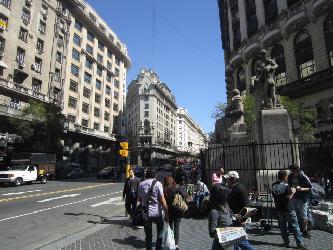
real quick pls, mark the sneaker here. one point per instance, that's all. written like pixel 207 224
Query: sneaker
pixel 139 227
pixel 306 234
pixel 302 247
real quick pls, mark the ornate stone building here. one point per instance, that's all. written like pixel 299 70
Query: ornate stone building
pixel 298 35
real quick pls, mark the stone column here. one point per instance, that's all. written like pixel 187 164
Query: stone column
pixel 282 6
pixel 242 20
pixel 260 11
pixel 231 35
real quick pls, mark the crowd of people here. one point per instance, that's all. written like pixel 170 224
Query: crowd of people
pixel 227 197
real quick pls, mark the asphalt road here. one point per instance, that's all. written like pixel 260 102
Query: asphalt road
pixel 33 216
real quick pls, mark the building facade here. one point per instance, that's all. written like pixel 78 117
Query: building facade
pixel 298 35
pixel 150 120
pixel 191 138
pixel 63 53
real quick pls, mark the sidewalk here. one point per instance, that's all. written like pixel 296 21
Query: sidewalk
pixel 117 233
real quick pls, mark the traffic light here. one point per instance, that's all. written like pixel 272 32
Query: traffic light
pixel 123 149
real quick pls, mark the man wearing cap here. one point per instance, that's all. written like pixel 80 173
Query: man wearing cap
pixel 238 196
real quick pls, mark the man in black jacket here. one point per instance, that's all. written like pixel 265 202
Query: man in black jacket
pixel 301 183
pixel 282 193
pixel 238 196
pixel 130 192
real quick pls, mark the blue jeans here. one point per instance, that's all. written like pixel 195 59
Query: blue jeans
pixel 149 232
pixel 243 245
pixel 291 218
pixel 301 209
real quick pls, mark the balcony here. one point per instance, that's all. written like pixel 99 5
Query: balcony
pixel 252 49
pixel 236 59
pixel 314 83
pixel 272 33
pixel 320 7
pixel 296 17
pixel 24 93
pixel 76 128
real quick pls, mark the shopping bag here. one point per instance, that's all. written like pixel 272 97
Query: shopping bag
pixel 169 239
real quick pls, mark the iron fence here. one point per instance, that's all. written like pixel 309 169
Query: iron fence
pixel 258 164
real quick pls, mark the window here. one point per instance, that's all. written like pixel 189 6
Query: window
pixel 99 58
pixel 98 84
pixel 146 105
pixel 40 46
pixel 107 102
pixel 96 112
pixel 2 44
pixel 36 85
pixel 37 66
pixel 42 27
pixel 89 63
pixel 107 90
pixel 92 17
pixel 241 79
pixel 86 92
pixel 115 107
pixel 106 116
pixel 23 35
pixel 146 113
pixel 97 98
pixel 75 70
pixel 146 98
pixel 84 122
pixel 5 3
pixel 278 56
pixel 304 55
pixel 106 129
pixel 89 49
pixel 110 54
pixel 57 75
pixel 236 33
pixel 116 72
pixel 251 17
pixel 271 11
pixel 96 126
pixel 26 15
pixel 44 11
pixel 59 57
pixel 108 77
pixel 75 55
pixel 87 77
pixel 117 61
pixel 71 118
pixel 116 95
pixel 72 102
pixel 78 25
pixel 73 86
pixel 100 46
pixel 60 41
pixel 99 71
pixel 3 22
pixel 20 54
pixel 328 30
pixel 85 109
pixel 77 40
pixel 109 65
pixel 116 83
pixel 291 3
pixel 90 36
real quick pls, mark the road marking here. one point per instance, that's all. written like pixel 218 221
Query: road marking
pixel 31 191
pixel 108 202
pixel 60 197
pixel 54 192
pixel 54 207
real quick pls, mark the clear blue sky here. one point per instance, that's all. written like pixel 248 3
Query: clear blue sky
pixel 188 54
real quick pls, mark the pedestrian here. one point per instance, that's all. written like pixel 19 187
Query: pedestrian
pixel 195 175
pixel 217 177
pixel 238 196
pixel 156 205
pixel 170 190
pixel 130 192
pixel 220 215
pixel 179 175
pixel 282 194
pixel 302 185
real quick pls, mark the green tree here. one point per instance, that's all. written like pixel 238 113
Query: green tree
pixel 249 114
pixel 219 111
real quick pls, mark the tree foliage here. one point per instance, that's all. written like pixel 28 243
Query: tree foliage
pixel 219 111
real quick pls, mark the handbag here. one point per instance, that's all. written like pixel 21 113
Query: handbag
pixel 179 204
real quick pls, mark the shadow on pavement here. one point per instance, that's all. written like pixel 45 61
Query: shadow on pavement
pixel 264 243
pixel 102 218
pixel 131 241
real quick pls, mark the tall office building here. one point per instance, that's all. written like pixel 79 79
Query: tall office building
pixel 298 35
pixel 150 120
pixel 191 138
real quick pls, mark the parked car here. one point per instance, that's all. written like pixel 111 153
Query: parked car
pixel 107 172
pixel 76 173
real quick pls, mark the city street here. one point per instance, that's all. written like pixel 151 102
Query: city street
pixel 35 215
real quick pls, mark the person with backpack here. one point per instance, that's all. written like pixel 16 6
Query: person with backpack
pixel 282 194
pixel 171 189
pixel 151 196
